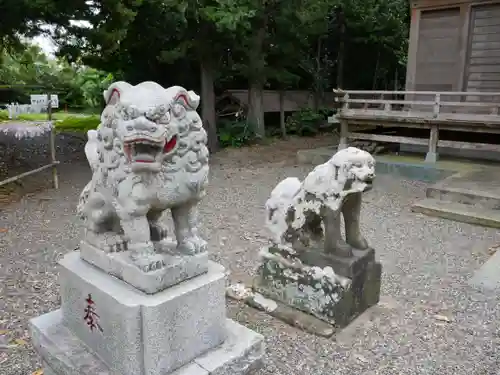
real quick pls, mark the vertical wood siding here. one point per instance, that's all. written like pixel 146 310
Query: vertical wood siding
pixel 483 68
pixel 438 52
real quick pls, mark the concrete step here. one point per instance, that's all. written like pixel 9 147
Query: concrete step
pixel 464 213
pixel 477 198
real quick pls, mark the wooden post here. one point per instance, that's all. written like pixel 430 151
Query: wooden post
pixel 52 143
pixel 344 131
pixel 437 105
pixel 345 105
pixel 432 155
pixel 282 114
pixel 387 105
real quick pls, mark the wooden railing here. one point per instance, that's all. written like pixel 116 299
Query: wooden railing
pixel 455 111
pixel 53 162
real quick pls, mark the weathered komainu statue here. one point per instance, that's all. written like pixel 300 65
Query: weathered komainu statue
pixel 309 265
pixel 133 301
pixel 301 213
pixel 148 155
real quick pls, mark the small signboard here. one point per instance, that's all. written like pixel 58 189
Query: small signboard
pixel 41 101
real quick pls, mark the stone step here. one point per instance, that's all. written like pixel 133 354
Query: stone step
pixel 464 213
pixel 478 198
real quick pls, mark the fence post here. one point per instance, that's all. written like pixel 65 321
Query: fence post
pixel 52 142
pixel 346 101
pixel 437 105
pixel 432 153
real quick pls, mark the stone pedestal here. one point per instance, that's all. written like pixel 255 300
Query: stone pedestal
pixel 106 326
pixel 333 289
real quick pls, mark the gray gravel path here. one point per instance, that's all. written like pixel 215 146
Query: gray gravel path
pixel 426 261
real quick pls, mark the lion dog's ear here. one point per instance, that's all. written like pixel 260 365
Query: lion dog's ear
pixel 114 91
pixel 179 95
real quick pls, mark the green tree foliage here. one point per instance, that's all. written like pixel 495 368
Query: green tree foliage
pixel 29 71
pixel 22 18
pixel 212 45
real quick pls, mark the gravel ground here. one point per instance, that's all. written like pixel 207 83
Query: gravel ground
pixel 426 261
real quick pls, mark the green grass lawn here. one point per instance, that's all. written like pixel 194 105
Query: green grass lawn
pixel 64 121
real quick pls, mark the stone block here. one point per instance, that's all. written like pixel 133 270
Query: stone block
pixel 177 269
pixel 139 333
pixel 333 289
pixel 241 353
pixel 488 277
pixel 47 370
pixel 65 354
pixel 344 266
pixel 61 351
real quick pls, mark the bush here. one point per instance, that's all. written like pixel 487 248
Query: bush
pixel 78 123
pixel 307 122
pixel 4 115
pixel 236 133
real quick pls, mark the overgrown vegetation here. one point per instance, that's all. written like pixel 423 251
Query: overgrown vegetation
pixel 236 133
pixel 308 121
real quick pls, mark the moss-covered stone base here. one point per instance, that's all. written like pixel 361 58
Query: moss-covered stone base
pixel 317 287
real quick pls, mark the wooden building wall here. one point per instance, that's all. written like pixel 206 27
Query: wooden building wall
pixel 454 46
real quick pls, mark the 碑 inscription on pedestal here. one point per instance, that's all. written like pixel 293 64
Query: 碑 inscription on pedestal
pixel 135 301
pixel 91 317
pixel 309 265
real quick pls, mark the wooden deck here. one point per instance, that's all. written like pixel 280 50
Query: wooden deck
pixel 452 111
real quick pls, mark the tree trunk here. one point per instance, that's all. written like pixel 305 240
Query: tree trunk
pixel 341 52
pixel 282 114
pixel 375 74
pixel 208 104
pixel 255 116
pixel 318 77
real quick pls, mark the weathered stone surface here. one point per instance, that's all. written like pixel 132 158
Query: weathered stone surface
pixel 464 213
pixel 191 369
pixel 158 332
pixel 301 214
pixel 320 287
pixel 294 317
pixel 148 155
pixel 488 277
pixel 62 352
pixel 65 354
pixel 135 302
pixel 47 370
pixel 178 267
pixel 343 266
pixel 311 265
pixel 241 353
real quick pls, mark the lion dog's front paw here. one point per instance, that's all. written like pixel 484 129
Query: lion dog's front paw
pixel 341 249
pixel 145 258
pixel 358 243
pixel 192 245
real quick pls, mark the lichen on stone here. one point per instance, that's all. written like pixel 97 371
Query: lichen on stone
pixel 314 289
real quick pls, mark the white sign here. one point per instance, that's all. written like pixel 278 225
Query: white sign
pixel 41 101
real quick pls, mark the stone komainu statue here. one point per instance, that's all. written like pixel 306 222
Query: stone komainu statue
pixel 301 213
pixel 148 155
